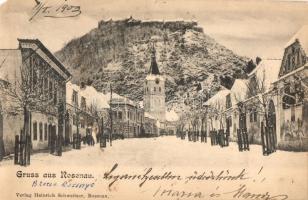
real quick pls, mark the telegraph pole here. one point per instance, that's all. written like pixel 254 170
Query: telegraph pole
pixel 110 113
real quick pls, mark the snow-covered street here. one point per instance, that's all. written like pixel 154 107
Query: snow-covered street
pixel 168 153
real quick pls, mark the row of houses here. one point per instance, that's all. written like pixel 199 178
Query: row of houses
pixel 39 100
pixel 275 94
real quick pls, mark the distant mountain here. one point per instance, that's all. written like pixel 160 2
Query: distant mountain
pixel 118 52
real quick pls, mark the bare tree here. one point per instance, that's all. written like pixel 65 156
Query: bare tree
pixel 216 111
pixel 101 117
pixel 182 122
pixel 29 92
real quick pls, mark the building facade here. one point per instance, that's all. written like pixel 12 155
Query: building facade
pixel 38 103
pixel 291 88
pixel 127 117
pixel 85 109
pixel 274 94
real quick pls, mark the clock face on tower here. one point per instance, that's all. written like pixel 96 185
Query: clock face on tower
pixel 157 80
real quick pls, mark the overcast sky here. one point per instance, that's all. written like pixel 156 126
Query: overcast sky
pixel 250 28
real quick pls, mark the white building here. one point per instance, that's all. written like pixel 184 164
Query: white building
pixel 38 79
pixel 84 105
pixel 171 122
pixel 275 90
pixel 154 92
pixel 216 108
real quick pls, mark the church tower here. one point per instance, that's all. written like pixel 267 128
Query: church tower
pixel 154 91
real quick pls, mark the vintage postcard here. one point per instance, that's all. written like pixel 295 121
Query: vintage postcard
pixel 153 99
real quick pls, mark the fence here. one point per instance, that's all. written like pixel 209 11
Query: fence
pixel 203 136
pixel 242 139
pixel 22 149
pixel 268 139
pixel 220 138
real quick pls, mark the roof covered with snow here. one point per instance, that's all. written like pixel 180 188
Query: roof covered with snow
pixel 302 37
pixel 238 91
pixel 172 116
pixel 147 115
pixel 118 99
pixel 267 70
pixel 219 98
pixel 93 97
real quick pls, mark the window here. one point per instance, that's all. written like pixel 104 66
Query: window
pixel 298 58
pixel 293 62
pixel 289 63
pixel 154 89
pixel 289 98
pixel 50 89
pixel 34 77
pixel 83 103
pixel 120 115
pixel 82 123
pixel 157 80
pixel 45 132
pixel 159 89
pixel 41 131
pixel 55 98
pixel 253 115
pixel 45 84
pixel 74 120
pixel 34 130
pixel 61 93
pixel 74 98
pixel 293 114
pixel 228 101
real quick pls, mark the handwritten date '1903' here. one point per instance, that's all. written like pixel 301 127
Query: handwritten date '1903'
pixel 59 10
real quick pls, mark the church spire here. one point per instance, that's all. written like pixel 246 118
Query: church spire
pixel 154 67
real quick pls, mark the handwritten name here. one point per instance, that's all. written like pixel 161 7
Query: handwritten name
pixel 67 184
pixel 60 10
pixel 242 192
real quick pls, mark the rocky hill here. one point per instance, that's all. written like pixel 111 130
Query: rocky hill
pixel 118 52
